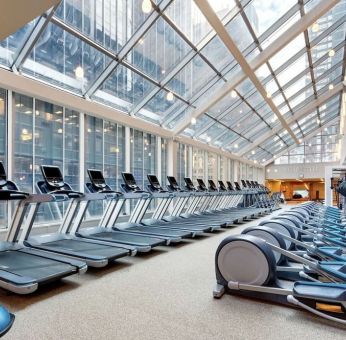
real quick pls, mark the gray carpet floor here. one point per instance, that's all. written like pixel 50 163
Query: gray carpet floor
pixel 164 295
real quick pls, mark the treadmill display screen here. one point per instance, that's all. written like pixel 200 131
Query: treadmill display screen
pixel 128 178
pixel 222 185
pixel 2 172
pixel 153 180
pixel 201 183
pixel 212 184
pixel 189 183
pixel 237 186
pixel 172 181
pixel 52 174
pixel 96 176
pixel 243 183
pixel 230 186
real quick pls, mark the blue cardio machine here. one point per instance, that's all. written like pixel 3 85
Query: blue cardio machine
pixel 6 321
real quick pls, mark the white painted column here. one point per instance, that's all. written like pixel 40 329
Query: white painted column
pixel 81 151
pixel 171 158
pixel 158 158
pixel 328 192
pixel 189 161
pixel 206 170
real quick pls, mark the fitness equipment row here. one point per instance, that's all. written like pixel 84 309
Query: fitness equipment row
pixel 297 258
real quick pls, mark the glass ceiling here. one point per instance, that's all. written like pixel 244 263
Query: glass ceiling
pixel 161 63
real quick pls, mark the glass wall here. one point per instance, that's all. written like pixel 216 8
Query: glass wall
pixel 45 133
pixel 213 167
pixel 198 166
pixel 182 163
pixel 143 156
pixel 321 148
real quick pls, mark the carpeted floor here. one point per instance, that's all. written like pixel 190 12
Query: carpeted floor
pixel 164 295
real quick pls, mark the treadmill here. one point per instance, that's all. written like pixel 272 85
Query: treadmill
pixel 159 218
pixel 23 270
pixel 94 253
pixel 129 233
pixel 213 218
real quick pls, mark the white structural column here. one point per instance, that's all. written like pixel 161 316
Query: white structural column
pixel 171 158
pixel 81 151
pixel 300 26
pixel 220 29
pixel 206 167
pixel 342 142
pixel 189 161
pixel 127 149
pixel 159 159
pixel 328 192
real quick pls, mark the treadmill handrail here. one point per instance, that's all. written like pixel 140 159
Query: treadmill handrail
pixel 6 195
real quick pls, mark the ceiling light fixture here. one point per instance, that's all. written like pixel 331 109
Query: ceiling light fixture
pixel 253 152
pixel 315 27
pixel 233 94
pixel 170 96
pixel 331 86
pixel 193 121
pixel 79 72
pixel 331 53
pixel 147 6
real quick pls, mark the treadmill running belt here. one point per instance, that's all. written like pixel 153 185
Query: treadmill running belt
pixel 33 266
pixel 86 248
pixel 122 237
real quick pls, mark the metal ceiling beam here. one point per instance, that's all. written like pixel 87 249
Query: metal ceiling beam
pixel 305 110
pixel 144 28
pixel 216 23
pixel 285 38
pixel 30 42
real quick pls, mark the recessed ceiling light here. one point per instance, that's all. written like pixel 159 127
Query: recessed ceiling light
pixel 79 72
pixel 193 121
pixel 331 86
pixel 208 139
pixel 236 146
pixel 331 53
pixel 170 96
pixel 253 152
pixel 146 6
pixel 233 94
pixel 269 95
pixel 315 27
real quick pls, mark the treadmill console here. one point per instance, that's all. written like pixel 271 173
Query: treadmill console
pixel 222 186
pixel 212 186
pixel 3 177
pixel 230 186
pixel 130 182
pixel 97 179
pixel 248 184
pixel 237 186
pixel 189 184
pixel 243 183
pixel 98 182
pixel 53 176
pixel 173 184
pixel 201 185
pixel 154 183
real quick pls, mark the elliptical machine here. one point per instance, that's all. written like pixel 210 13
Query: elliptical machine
pixel 246 265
